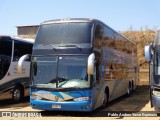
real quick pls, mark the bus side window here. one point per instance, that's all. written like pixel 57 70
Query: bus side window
pixel 20 49
pixel 99 32
pixel 5 55
pixel 1 68
pixel 98 36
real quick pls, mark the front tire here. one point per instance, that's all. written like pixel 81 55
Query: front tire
pixel 17 94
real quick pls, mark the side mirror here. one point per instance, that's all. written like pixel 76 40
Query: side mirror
pixel 90 67
pixel 147 51
pixel 20 63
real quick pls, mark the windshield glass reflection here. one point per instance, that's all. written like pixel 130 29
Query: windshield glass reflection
pixel 60 72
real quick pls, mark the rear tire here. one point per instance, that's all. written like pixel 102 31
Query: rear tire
pixel 132 86
pixel 129 89
pixel 105 99
pixel 17 94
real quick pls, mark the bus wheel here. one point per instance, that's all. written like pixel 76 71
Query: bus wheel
pixel 17 94
pixel 132 86
pixel 105 99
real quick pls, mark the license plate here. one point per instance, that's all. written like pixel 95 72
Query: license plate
pixel 56 106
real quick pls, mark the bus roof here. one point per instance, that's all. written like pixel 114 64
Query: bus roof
pixel 28 40
pixel 82 20
pixel 68 20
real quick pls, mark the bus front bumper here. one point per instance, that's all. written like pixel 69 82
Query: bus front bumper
pixel 61 106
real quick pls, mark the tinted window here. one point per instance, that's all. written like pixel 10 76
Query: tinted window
pixel 5 46
pixel 5 55
pixel 66 71
pixel 64 33
pixel 21 48
pixel 107 33
pixel 98 36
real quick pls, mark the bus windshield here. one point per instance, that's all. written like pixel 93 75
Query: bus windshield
pixel 57 34
pixel 60 72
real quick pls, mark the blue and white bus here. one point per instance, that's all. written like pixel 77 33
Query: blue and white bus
pixel 12 84
pixel 152 54
pixel 80 65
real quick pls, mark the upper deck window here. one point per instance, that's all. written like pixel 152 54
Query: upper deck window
pixel 64 33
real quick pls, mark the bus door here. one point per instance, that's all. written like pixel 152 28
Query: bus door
pixel 97 51
pixel 95 86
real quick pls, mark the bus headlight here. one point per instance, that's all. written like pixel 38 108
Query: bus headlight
pixel 81 99
pixel 156 93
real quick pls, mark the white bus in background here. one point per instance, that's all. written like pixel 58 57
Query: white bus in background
pixel 12 84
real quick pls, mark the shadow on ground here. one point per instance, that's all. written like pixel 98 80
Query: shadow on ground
pixel 10 104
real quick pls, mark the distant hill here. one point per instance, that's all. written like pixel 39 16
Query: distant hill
pixel 141 38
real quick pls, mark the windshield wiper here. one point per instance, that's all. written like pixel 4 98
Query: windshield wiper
pixel 52 81
pixel 53 46
pixel 63 83
pixel 71 45
pixel 59 79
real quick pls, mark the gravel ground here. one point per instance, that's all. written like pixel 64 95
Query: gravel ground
pixel 138 102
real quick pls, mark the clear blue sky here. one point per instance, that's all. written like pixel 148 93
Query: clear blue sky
pixel 118 14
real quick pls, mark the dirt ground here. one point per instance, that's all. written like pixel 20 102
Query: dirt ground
pixel 138 102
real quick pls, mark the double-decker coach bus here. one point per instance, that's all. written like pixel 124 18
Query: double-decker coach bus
pixel 80 65
pixel 152 54
pixel 12 84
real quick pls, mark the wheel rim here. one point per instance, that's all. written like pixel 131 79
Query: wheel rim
pixel 129 90
pixel 17 94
